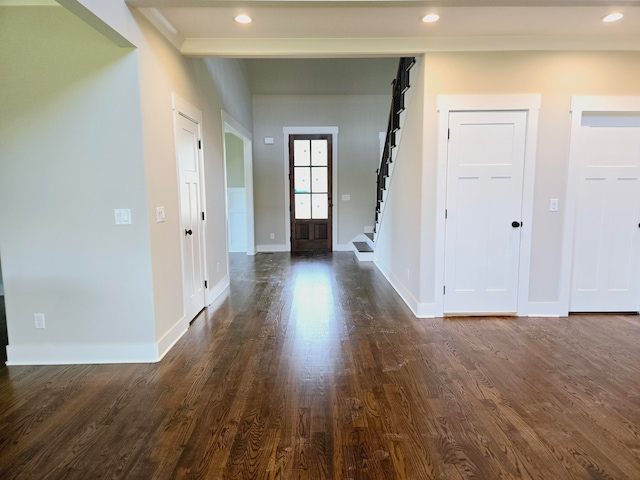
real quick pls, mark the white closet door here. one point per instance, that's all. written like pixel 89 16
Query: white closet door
pixel 484 208
pixel 606 253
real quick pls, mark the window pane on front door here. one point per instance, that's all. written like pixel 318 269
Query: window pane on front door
pixel 301 153
pixel 319 153
pixel 303 206
pixel 302 180
pixel 319 179
pixel 319 206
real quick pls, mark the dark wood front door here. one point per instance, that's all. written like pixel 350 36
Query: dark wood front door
pixel 310 192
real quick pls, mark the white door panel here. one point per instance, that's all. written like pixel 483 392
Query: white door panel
pixel 190 215
pixel 606 261
pixel 484 196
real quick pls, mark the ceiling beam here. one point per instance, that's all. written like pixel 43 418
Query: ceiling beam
pixel 376 3
pixel 381 47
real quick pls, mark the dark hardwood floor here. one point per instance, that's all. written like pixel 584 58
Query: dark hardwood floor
pixel 313 368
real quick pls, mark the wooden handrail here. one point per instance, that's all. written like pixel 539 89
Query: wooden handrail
pixel 399 87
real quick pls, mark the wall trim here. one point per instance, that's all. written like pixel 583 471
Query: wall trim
pixel 171 337
pixel 72 354
pixel 273 248
pixel 217 290
pixel 419 310
pixel 333 131
pixel 468 103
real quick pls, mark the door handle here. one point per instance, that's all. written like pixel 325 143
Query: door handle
pixel 188 232
pixel 516 224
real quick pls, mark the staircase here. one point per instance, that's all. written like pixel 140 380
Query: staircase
pixel 364 249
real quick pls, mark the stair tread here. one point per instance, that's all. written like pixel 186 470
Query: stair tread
pixel 362 246
pixel 370 235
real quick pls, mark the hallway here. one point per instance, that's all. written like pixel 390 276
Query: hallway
pixel 313 367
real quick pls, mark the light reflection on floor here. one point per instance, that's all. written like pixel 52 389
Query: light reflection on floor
pixel 313 316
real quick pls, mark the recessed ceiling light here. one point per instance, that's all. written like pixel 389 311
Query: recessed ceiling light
pixel 612 17
pixel 430 18
pixel 243 19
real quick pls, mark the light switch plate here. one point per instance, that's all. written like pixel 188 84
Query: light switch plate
pixel 268 141
pixel 123 216
pixel 38 319
pixel 553 205
pixel 346 197
pixel 160 214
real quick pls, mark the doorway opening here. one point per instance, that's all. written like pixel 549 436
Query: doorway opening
pixel 239 187
pixel 188 136
pixel 602 231
pixel 462 221
pixel 310 163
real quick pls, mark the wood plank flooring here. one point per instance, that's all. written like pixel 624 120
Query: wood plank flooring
pixel 313 368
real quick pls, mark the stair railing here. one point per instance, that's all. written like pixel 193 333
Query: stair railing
pixel 399 87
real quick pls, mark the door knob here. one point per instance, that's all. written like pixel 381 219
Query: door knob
pixel 516 224
pixel 188 232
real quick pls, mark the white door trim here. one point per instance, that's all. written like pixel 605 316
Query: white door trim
pixel 469 103
pixel 230 125
pixel 579 105
pixel 333 131
pixel 181 106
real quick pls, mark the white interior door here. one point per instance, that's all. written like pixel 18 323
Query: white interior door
pixel 606 255
pixel 484 207
pixel 187 138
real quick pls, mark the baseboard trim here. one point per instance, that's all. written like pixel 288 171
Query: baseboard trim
pixel 427 310
pixel 218 289
pixel 545 309
pixel 169 339
pixel 82 354
pixel 272 248
pixel 419 310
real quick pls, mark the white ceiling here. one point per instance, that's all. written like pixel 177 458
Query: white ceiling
pixel 337 28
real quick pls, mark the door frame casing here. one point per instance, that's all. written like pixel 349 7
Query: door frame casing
pixel 181 106
pixel 333 131
pixel 230 125
pixel 579 105
pixel 529 103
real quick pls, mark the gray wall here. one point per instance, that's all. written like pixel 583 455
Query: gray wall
pixel 359 118
pixel 71 152
pixel 87 127
pixel 329 76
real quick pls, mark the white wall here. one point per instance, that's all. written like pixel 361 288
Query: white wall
pixel 71 152
pixel 211 86
pixel 399 238
pixel 556 76
pixel 103 122
pixel 359 118
pixel 321 76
